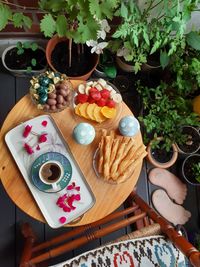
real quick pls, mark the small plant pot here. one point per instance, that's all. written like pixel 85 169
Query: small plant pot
pixel 160 157
pixel 192 144
pixel 153 63
pixel 99 73
pixel 57 50
pixel 10 57
pixel 123 65
pixel 187 171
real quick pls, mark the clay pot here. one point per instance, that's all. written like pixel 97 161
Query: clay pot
pixel 162 163
pixel 49 49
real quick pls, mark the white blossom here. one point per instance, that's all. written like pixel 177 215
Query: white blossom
pixel 98 49
pixel 122 52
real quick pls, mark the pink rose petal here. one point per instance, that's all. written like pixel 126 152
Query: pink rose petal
pixel 28 149
pixel 66 209
pixel 62 219
pixel 42 138
pixel 38 147
pixel 27 131
pixel 44 123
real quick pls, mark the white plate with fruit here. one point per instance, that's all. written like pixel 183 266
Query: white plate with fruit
pixel 97 101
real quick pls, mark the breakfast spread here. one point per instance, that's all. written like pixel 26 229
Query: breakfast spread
pixel 97 101
pixel 118 156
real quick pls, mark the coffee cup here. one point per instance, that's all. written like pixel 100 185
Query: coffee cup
pixel 50 173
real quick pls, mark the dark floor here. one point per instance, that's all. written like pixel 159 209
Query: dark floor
pixel 12 89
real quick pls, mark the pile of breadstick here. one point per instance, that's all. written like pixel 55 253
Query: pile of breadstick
pixel 118 156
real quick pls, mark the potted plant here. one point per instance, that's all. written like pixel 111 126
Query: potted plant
pixel 151 29
pixel 164 115
pixel 191 140
pixel 159 156
pixel 24 58
pixel 75 23
pixel 191 169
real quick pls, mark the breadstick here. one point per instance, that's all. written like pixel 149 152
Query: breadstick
pixel 118 157
pixel 131 154
pixel 131 168
pixel 112 133
pixel 114 149
pixel 129 145
pixel 101 152
pixel 107 153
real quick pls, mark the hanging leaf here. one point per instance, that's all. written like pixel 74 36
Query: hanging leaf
pixel 18 20
pixel 5 15
pixel 61 25
pixel 193 39
pixel 27 21
pixel 164 59
pixel 48 25
pixel 124 11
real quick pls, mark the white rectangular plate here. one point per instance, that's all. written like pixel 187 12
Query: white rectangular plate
pixel 55 143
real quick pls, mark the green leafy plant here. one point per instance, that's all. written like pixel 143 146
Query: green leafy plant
pixel 196 171
pixel 76 20
pixel 164 115
pixel 18 19
pixel 21 47
pixel 185 69
pixel 157 25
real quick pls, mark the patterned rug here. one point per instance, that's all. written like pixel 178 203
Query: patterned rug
pixel 153 251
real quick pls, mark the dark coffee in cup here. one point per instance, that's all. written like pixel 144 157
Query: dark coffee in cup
pixel 51 172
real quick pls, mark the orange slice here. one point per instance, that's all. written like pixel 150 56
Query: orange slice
pixel 98 115
pixel 90 111
pixel 77 112
pixel 108 112
pixel 82 110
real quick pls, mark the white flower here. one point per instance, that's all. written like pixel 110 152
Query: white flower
pixel 104 29
pixel 122 52
pixel 91 43
pixel 104 25
pixel 98 49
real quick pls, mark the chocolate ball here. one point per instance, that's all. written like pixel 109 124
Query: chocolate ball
pixel 52 95
pixel 60 99
pixel 51 102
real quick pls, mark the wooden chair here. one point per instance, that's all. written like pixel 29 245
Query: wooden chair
pixel 137 212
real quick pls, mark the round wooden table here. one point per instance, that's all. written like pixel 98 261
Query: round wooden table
pixel 108 196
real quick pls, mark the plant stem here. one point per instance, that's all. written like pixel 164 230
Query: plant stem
pixel 15 5
pixel 70 52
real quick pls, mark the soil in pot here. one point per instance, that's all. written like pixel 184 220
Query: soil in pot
pixel 192 142
pixel 160 154
pixel 81 63
pixel 21 62
pixel 188 172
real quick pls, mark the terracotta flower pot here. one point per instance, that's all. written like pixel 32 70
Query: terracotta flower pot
pixel 50 48
pixel 162 164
